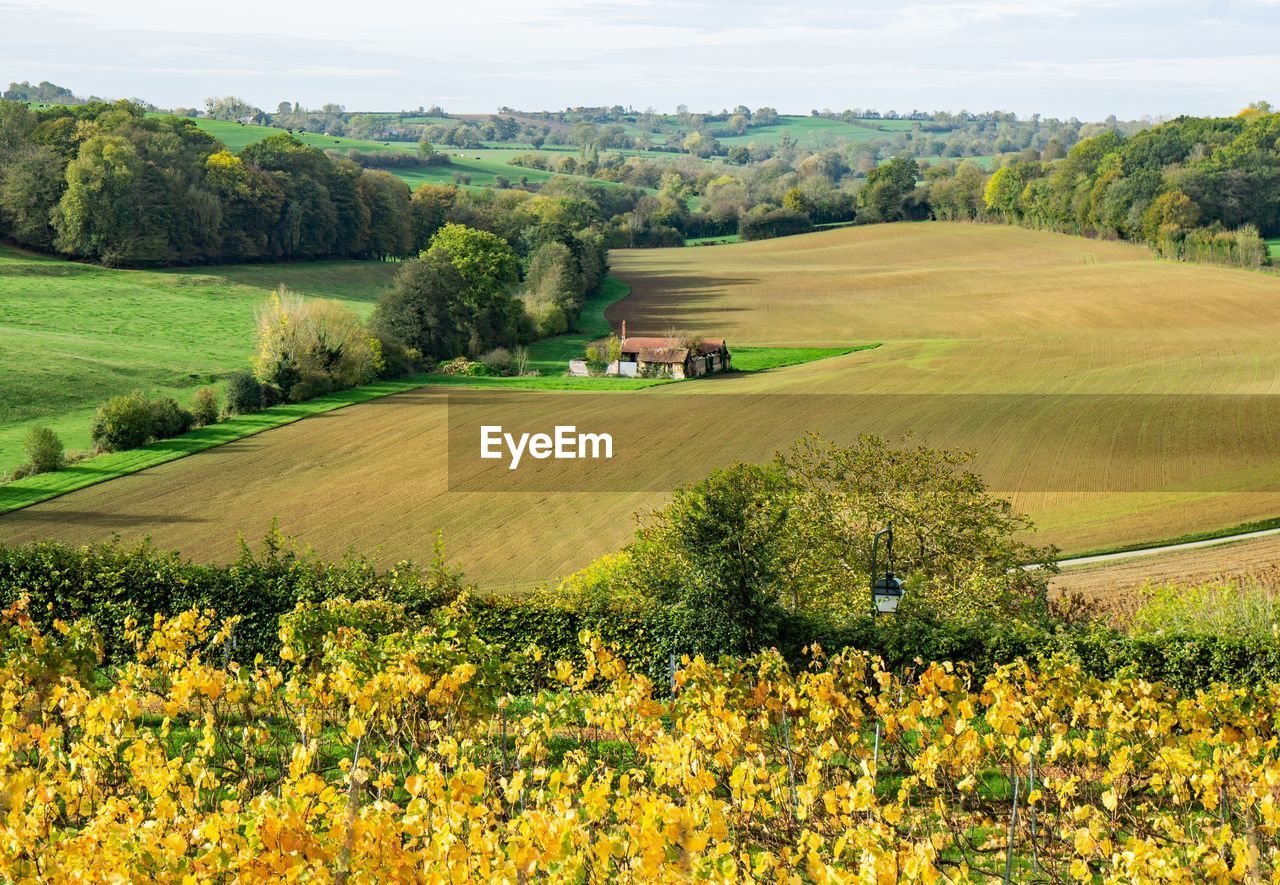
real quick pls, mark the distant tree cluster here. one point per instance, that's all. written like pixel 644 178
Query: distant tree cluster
pixel 1192 188
pixel 107 183
pixel 43 91
pixel 498 268
pixel 232 107
pixel 1203 189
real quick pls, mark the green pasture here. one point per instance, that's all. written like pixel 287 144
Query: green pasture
pixel 984 162
pixel 73 335
pixel 816 131
pixel 481 165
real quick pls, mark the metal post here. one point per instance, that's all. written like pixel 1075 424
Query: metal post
pixel 1031 816
pixel 875 757
pixel 875 542
pixel 1013 824
pixel 671 673
pixel 791 767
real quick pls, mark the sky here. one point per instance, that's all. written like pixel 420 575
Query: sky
pixel 1059 58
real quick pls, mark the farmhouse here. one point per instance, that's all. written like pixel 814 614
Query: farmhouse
pixel 649 357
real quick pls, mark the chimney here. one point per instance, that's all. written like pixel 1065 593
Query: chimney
pixel 624 330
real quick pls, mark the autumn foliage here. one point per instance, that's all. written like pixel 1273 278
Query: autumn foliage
pixel 383 749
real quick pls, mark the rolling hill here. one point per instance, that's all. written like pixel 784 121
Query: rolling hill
pixel 1057 359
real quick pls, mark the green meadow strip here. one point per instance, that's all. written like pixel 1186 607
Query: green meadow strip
pixel 747 358
pixel 552 355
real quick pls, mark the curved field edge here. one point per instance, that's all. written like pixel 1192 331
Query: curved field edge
pixel 549 353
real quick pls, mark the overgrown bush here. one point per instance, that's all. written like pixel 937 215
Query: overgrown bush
pixel 110 584
pixel 133 420
pixel 205 408
pixel 310 386
pixel 1214 245
pixel 244 394
pixel 499 361
pixel 1242 606
pixel 169 419
pixel 300 340
pixel 763 223
pixel 44 449
pixel 398 361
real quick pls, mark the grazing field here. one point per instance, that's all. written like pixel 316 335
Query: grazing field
pixel 481 165
pixel 72 335
pixel 1064 338
pixel 1273 249
pixel 819 131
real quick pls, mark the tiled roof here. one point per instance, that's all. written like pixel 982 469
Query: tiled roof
pixel 663 354
pixel 636 344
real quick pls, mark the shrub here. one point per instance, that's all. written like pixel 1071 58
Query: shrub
pixel 549 319
pixel 109 584
pixel 168 419
pixel 762 223
pixel 127 422
pixel 310 386
pixel 204 407
pixel 123 422
pixel 398 361
pixel 1240 606
pixel 244 394
pixel 297 338
pixel 596 359
pixel 499 361
pixel 44 450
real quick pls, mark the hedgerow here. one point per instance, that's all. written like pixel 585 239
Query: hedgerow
pixel 109 584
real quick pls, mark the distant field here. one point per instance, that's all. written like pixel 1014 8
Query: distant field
pixel 816 131
pixel 983 162
pixel 72 335
pixel 1273 248
pixel 1030 318
pixel 483 165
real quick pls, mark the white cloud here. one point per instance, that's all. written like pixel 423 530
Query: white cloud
pixel 1084 58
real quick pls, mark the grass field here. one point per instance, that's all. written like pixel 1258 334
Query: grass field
pixel 819 132
pixel 1031 319
pixel 72 335
pixel 1273 248
pixel 483 165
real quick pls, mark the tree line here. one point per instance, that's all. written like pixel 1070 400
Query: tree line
pixel 108 183
pixel 1205 189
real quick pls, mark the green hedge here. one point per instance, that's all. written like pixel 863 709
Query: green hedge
pixel 645 641
pixel 110 583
